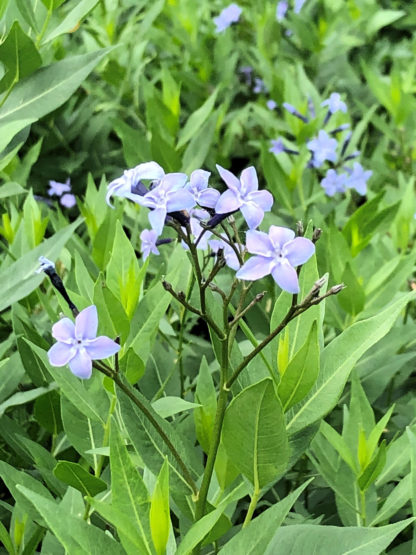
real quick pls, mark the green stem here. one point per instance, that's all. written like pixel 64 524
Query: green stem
pixel 363 508
pixel 253 504
pixel 45 24
pixel 106 436
pixel 130 394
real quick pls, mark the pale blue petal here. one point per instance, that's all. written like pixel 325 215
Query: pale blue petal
pixel 229 178
pixel 157 219
pixel 252 213
pixel 199 180
pixel 179 200
pixel 148 170
pixel 86 323
pixel 208 198
pixel 258 242
pixel 173 181
pixel 81 365
pixel 249 181
pixel 264 199
pixel 280 235
pixel 101 347
pixel 285 276
pixel 298 251
pixel 64 330
pixel 228 202
pixel 255 268
pixel 61 353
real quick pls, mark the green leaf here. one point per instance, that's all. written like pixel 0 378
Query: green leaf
pixel 149 444
pixel 255 538
pixel 6 540
pixel 11 372
pixel 204 414
pixel 398 497
pixel 352 299
pixel 20 56
pixel 199 146
pixel 11 189
pixel 255 440
pixel 339 444
pixel 168 406
pixel 23 397
pixel 19 279
pixel 303 539
pixel 76 535
pixel 381 19
pixel 339 358
pixel 301 372
pixel 72 19
pixel 129 494
pixel 159 510
pixel 197 119
pixel 44 91
pixel 76 476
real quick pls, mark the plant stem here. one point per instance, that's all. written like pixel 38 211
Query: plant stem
pixel 252 507
pixel 45 23
pixel 363 508
pixel 106 436
pixel 130 394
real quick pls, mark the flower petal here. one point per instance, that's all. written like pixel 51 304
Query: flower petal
pixel 148 170
pixel 199 180
pixel 64 330
pixel 229 201
pixel 179 200
pixel 230 179
pixel 280 235
pixel 157 219
pixel 263 198
pixel 173 181
pixel 285 276
pixel 255 268
pixel 258 242
pixel 208 197
pixel 298 251
pixel 86 323
pixel 101 347
pixel 249 181
pixel 252 213
pixel 61 353
pixel 81 365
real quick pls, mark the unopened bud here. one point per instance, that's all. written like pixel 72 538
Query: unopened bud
pixel 316 234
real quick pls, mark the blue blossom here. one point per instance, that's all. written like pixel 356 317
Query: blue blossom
pixel 281 10
pixel 168 196
pixel 58 189
pixel 358 177
pixel 259 86
pixel 122 186
pixel 334 182
pixel 230 14
pixel 335 103
pixel 277 253
pixel 298 5
pixel 205 196
pixel 271 104
pixel 277 146
pixel 148 238
pixel 230 256
pixel 68 200
pixel 78 345
pixel 323 148
pixel 243 194
pixel 247 71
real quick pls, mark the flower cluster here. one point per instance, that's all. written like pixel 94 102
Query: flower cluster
pixel 195 209
pixel 325 147
pixel 63 191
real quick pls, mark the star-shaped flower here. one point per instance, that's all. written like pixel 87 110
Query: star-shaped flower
pixel 203 195
pixel 277 253
pixel 334 182
pixel 323 148
pixel 122 186
pixel 78 345
pixel 168 196
pixel 148 238
pixel 335 103
pixel 358 178
pixel 243 194
pixel 58 189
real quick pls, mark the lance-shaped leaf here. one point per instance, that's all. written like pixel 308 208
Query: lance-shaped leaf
pixel 338 359
pixel 159 510
pixel 301 372
pixel 76 476
pixel 254 434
